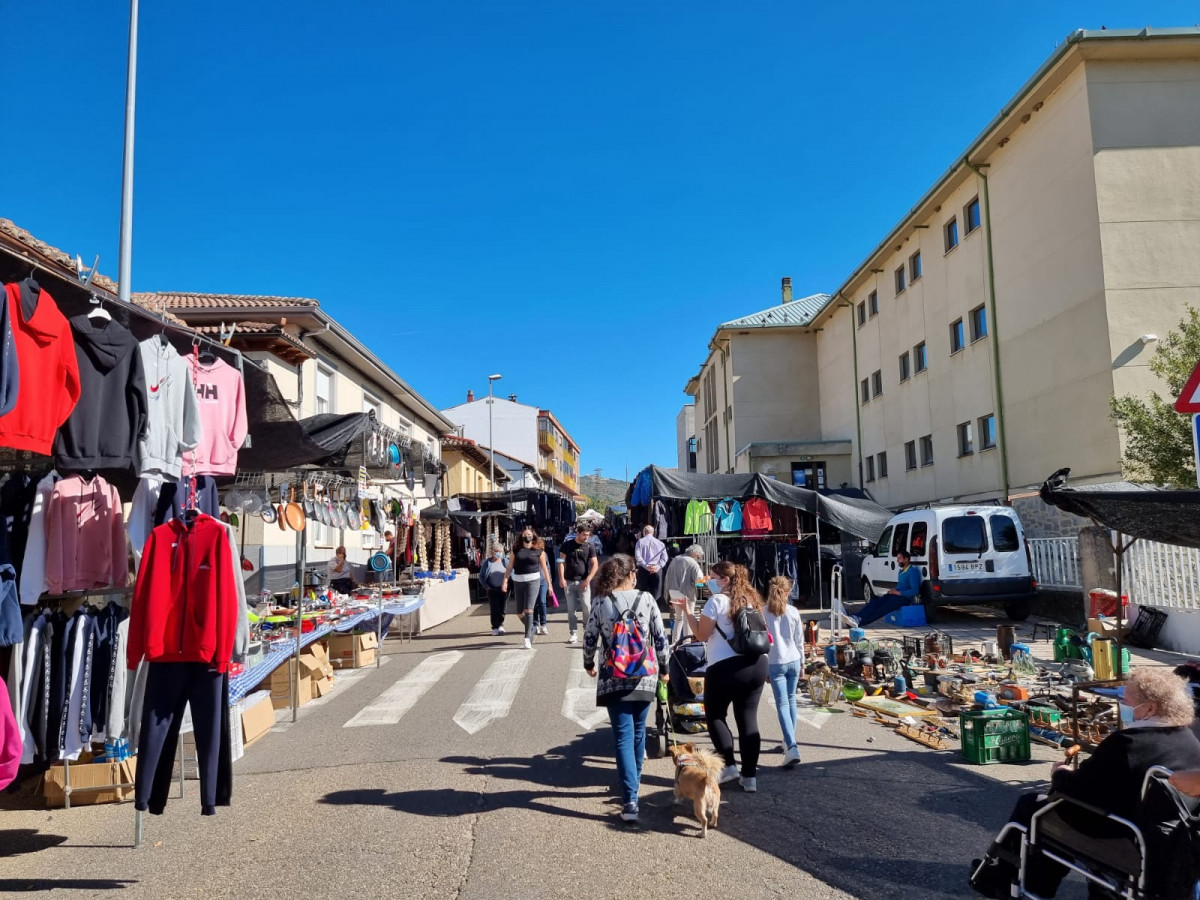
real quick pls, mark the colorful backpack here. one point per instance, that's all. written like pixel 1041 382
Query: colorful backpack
pixel 629 652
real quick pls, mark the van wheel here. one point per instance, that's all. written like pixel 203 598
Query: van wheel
pixel 867 594
pixel 1018 610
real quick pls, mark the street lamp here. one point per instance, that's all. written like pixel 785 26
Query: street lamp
pixel 491 446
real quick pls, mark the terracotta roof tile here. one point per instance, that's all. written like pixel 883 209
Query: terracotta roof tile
pixel 21 236
pixel 185 300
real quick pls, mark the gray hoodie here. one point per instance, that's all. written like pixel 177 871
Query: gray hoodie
pixel 174 414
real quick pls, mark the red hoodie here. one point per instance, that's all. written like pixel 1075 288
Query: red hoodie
pixel 185 603
pixel 48 385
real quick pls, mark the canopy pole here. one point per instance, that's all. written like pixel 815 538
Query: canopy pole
pixel 820 587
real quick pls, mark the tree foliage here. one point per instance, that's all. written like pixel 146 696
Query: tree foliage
pixel 1158 440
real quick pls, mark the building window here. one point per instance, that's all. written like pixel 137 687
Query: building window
pixel 956 336
pixel 862 312
pixel 971 215
pixel 882 464
pixel 950 233
pixel 870 464
pixel 876 382
pixel 965 447
pixel 865 387
pixel 904 366
pixel 324 390
pixel 404 427
pixel 900 281
pixel 978 323
pixel 910 455
pixel 371 405
pixel 987 432
pixel 927 450
pixel 914 267
pixel 691 454
pixel 920 358
pixel 873 304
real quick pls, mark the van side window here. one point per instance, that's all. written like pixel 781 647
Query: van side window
pixel 1004 534
pixel 900 539
pixel 885 541
pixel 964 534
pixel 920 531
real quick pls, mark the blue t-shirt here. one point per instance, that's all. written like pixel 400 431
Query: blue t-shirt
pixel 908 582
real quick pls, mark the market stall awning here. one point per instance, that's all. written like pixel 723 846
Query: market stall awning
pixel 858 516
pixel 1137 510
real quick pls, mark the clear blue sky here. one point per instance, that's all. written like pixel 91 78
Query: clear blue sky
pixel 572 193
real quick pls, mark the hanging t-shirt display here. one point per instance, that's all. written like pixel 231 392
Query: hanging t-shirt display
pixel 756 517
pixel 173 414
pixel 48 380
pixel 221 396
pixel 728 514
pixel 85 536
pixel 106 425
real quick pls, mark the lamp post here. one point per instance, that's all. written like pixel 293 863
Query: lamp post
pixel 491 446
pixel 125 249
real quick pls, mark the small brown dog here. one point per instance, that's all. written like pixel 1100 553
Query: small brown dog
pixel 696 774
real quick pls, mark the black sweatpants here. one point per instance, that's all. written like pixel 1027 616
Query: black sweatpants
pixel 170 688
pixel 650 582
pixel 738 681
pixel 497 600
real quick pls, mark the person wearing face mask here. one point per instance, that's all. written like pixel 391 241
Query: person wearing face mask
pixel 526 569
pixel 1156 714
pixel 731 679
pixel 491 576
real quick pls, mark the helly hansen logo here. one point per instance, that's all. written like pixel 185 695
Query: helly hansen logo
pixel 207 392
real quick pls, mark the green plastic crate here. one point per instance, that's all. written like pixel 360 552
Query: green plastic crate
pixel 994 736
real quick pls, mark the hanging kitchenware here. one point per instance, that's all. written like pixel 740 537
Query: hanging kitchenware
pixel 339 509
pixel 266 507
pixel 380 562
pixel 254 503
pixel 224 517
pixel 234 520
pixel 310 510
pixel 410 479
pixel 394 455
pixel 281 510
pixel 295 512
pixel 353 518
pixel 395 510
pixel 364 513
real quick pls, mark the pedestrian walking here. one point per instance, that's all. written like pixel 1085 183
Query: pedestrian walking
pixel 526 568
pixel 626 625
pixel 731 679
pixel 785 660
pixel 684 575
pixel 651 556
pixel 491 576
pixel 577 566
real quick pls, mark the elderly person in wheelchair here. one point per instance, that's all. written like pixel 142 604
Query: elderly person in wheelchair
pixel 1115 820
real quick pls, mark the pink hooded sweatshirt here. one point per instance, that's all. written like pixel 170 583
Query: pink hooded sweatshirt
pixel 222 399
pixel 10 740
pixel 85 536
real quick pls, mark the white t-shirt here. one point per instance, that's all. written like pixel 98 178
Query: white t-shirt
pixel 717 609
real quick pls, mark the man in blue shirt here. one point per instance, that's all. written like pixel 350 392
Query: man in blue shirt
pixel 907 589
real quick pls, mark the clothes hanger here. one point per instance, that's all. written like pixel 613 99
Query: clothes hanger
pixel 98 312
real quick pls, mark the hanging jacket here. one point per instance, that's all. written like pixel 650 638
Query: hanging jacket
pixel 33 565
pixel 10 740
pixel 85 536
pixel 12 630
pixel 49 374
pixel 728 514
pixel 642 488
pixel 221 396
pixel 698 518
pixel 185 602
pixel 662 524
pixel 173 413
pixel 10 370
pixel 756 516
pixel 104 429
pixel 75 729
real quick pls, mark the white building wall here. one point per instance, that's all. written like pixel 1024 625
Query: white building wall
pixel 514 426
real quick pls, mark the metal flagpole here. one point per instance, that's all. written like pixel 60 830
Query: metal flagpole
pixel 125 255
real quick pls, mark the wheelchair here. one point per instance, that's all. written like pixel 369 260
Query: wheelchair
pixel 1152 859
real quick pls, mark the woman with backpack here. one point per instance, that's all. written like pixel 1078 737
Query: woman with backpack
pixel 626 625
pixel 735 633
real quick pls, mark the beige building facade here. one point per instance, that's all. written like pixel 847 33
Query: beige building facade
pixel 974 351
pixel 469 467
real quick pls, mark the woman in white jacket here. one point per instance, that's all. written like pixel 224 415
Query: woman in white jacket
pixel 786 659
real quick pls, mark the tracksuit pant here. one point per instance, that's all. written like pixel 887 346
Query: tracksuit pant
pixel 170 688
pixel 737 682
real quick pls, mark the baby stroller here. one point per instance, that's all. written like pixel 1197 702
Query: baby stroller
pixel 679 710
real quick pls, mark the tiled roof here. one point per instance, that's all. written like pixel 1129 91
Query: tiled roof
pixel 245 328
pixel 185 300
pixel 798 312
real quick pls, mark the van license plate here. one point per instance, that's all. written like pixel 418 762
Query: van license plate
pixel 966 567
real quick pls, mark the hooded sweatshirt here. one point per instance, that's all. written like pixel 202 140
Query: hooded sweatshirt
pixel 173 413
pixel 49 374
pixel 103 430
pixel 222 401
pixel 85 536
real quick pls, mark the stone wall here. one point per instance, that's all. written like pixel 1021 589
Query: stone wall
pixel 1041 520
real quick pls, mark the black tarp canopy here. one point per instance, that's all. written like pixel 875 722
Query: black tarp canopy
pixel 1137 510
pixel 857 516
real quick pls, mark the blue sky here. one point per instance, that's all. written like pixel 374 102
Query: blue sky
pixel 572 193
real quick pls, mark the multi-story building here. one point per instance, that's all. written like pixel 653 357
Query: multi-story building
pixel 975 348
pixel 523 433
pixel 685 438
pixel 469 467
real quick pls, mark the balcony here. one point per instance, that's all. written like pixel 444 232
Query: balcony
pixel 546 440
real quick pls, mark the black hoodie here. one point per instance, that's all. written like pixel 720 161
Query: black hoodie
pixel 103 430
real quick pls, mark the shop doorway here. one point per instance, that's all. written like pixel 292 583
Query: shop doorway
pixel 809 475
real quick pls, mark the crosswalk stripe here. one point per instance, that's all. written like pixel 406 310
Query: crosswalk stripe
pixel 493 694
pixel 390 706
pixel 579 702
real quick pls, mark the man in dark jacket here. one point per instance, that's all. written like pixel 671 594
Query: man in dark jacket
pixel 1156 713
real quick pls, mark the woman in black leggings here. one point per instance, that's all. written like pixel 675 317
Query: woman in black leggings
pixel 730 679
pixel 526 569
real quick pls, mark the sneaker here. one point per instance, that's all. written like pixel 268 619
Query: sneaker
pixel 497 631
pixel 727 774
pixel 541 629
pixel 750 785
pixel 574 638
pixel 791 757
pixel 528 644
pixel 629 812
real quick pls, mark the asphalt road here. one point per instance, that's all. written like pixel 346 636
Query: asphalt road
pixel 419 779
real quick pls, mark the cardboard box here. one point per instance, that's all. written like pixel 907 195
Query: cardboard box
pixel 353 651
pixel 258 717
pixel 1107 627
pixel 320 657
pixel 280 684
pixel 89 775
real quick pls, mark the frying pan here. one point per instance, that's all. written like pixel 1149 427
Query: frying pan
pixel 267 510
pixel 353 514
pixel 310 511
pixel 339 511
pixel 281 512
pixel 294 512
pixel 254 503
pixel 323 508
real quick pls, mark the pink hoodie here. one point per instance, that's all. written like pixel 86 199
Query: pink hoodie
pixel 85 536
pixel 222 399
pixel 10 740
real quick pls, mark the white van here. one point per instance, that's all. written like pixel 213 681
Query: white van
pixel 968 555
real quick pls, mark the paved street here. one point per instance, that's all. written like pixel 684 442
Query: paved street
pixel 464 767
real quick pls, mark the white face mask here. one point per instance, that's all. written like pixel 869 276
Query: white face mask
pixel 1129 713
